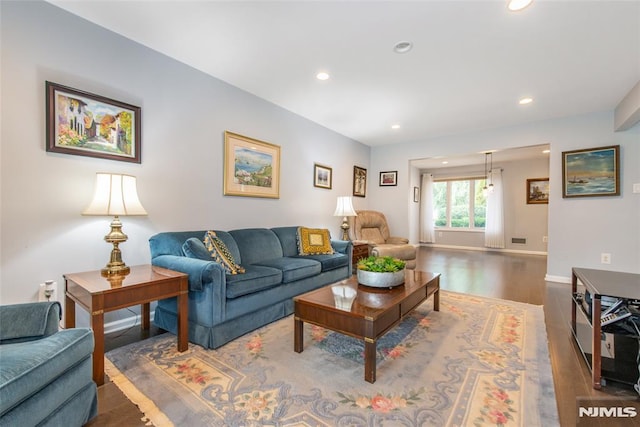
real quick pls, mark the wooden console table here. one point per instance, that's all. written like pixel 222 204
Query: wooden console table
pixel 98 295
pixel 599 283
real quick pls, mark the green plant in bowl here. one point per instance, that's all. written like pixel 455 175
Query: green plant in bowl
pixel 384 264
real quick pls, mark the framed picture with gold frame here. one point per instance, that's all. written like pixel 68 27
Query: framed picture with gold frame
pixel 591 172
pixel 537 191
pixel 251 167
pixel 322 176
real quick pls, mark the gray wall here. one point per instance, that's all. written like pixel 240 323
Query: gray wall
pixel 184 115
pixel 520 219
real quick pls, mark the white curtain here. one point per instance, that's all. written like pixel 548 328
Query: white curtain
pixel 494 228
pixel 427 222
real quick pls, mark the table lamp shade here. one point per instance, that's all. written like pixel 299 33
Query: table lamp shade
pixel 344 207
pixel 115 194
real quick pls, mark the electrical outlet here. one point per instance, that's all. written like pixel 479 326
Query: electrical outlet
pixel 545 239
pixel 605 258
pixel 636 188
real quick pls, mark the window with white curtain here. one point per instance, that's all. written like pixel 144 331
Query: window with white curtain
pixel 460 203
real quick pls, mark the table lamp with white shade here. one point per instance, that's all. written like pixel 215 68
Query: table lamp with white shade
pixel 115 195
pixel 344 208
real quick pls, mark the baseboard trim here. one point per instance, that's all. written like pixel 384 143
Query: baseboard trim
pixel 557 279
pixel 126 323
pixel 475 248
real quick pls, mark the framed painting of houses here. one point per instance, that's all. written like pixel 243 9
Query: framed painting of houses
pixel 251 167
pixel 591 172
pixel 87 124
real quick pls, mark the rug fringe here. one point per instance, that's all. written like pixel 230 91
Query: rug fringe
pixel 152 413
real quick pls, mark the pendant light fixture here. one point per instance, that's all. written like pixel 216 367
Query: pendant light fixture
pixel 490 173
pixel 485 189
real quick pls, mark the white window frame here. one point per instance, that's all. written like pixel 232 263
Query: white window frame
pixel 472 200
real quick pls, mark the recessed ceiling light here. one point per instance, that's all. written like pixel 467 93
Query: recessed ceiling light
pixel 546 151
pixel 516 5
pixel 322 76
pixel 445 162
pixel 402 47
pixel 525 101
pixel 396 126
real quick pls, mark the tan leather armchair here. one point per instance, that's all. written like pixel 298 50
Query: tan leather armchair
pixel 372 228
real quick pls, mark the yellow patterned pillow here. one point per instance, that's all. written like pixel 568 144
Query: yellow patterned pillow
pixel 220 253
pixel 314 241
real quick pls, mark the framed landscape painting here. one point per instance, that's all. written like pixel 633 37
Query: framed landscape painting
pixel 86 124
pixel 251 167
pixel 359 181
pixel 591 172
pixel 322 176
pixel 537 191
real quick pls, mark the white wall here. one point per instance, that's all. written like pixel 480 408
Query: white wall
pixel 580 229
pixel 521 220
pixel 184 115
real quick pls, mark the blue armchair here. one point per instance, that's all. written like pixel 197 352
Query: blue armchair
pixel 45 374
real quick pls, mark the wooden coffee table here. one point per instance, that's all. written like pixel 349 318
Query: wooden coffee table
pixel 374 311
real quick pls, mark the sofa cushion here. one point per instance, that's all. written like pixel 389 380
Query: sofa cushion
pixel 194 248
pixel 294 268
pixel 255 278
pixel 314 241
pixel 221 254
pixel 256 244
pixel 330 262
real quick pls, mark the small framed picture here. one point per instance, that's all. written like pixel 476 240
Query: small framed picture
pixel 416 194
pixel 359 181
pixel 322 176
pixel 537 191
pixel 591 172
pixel 388 178
pixel 86 124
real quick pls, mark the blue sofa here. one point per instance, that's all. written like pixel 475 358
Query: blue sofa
pixel 222 306
pixel 45 374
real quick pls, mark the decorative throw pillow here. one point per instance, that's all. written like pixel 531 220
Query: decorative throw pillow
pixel 220 253
pixel 314 241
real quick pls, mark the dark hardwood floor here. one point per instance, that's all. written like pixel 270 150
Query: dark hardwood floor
pixel 514 277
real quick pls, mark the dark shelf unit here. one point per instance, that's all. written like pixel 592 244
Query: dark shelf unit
pixel 610 351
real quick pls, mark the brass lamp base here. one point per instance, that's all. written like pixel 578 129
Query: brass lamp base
pixel 115 266
pixel 345 229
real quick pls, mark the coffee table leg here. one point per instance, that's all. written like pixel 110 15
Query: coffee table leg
pixel 370 360
pixel 297 335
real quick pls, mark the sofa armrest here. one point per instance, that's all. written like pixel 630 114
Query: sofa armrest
pixel 29 322
pixel 393 240
pixel 341 246
pixel 200 272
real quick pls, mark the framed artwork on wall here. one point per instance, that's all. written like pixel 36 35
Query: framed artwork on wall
pixel 251 167
pixel 322 176
pixel 359 181
pixel 389 178
pixel 537 191
pixel 591 172
pixel 86 124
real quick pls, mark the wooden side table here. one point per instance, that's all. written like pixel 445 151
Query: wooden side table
pixel 360 250
pixel 98 295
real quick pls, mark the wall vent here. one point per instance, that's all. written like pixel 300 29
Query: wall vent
pixel 521 240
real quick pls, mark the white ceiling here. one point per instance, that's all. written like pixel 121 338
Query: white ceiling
pixel 471 61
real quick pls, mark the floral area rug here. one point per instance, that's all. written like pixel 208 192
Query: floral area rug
pixel 476 362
